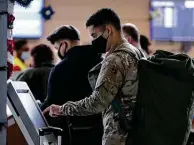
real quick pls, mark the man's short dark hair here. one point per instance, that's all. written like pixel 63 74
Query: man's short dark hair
pixel 19 44
pixel 42 54
pixel 132 31
pixel 104 16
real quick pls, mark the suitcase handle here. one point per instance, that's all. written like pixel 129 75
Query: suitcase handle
pixel 43 131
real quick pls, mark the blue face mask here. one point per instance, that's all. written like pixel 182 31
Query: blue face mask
pixel 25 55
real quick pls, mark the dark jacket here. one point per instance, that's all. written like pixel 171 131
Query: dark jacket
pixel 164 102
pixel 37 80
pixel 69 82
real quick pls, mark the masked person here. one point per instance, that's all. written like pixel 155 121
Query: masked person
pixel 21 54
pixel 117 79
pixel 68 82
pixel 37 76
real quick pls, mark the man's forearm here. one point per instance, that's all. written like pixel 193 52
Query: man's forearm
pixel 88 106
pixel 109 81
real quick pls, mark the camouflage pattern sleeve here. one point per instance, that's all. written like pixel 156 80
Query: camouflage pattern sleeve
pixel 108 83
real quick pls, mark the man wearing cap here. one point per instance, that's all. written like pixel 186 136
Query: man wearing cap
pixel 68 82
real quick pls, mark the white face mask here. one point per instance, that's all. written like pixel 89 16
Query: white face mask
pixel 25 55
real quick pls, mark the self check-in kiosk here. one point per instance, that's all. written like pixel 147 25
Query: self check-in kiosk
pixel 27 113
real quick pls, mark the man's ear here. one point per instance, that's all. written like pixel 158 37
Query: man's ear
pixel 129 39
pixel 68 44
pixel 109 29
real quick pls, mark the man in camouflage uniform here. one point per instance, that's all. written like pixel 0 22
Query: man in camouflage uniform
pixel 117 77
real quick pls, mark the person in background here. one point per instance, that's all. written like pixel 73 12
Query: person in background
pixel 37 76
pixel 131 33
pixel 117 79
pixel 68 81
pixel 21 54
pixel 145 44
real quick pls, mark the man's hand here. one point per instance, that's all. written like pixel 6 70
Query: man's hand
pixel 54 110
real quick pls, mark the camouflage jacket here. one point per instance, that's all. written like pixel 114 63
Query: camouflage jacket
pixel 118 73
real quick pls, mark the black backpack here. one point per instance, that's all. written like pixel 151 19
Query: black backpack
pixel 163 111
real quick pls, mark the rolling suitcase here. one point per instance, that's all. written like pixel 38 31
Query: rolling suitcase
pixel 48 130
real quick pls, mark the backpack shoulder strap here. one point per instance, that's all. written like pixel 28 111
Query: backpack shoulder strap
pixel 116 103
pixel 132 51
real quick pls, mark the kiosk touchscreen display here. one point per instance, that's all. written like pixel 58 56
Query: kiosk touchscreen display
pixel 32 110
